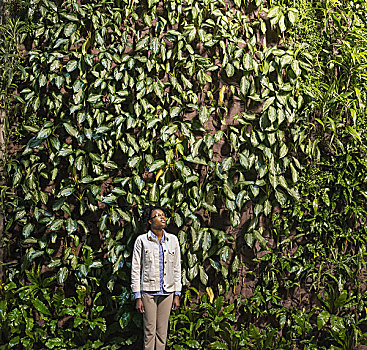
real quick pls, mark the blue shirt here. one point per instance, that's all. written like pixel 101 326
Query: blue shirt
pixel 161 271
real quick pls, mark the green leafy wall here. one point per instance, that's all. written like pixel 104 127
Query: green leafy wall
pixel 246 120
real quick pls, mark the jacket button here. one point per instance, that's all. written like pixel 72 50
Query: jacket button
pixel 165 250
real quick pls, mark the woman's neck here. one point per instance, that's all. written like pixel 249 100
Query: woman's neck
pixel 158 233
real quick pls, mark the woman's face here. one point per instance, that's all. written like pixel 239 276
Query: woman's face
pixel 158 219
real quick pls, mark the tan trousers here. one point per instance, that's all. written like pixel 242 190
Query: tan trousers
pixel 157 310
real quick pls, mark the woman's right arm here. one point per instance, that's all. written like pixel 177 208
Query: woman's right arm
pixel 136 267
pixel 136 273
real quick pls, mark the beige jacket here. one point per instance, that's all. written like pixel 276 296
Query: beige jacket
pixel 145 264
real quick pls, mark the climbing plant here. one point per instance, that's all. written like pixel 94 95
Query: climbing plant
pixel 245 127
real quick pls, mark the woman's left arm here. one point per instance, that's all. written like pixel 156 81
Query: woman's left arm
pixel 177 267
pixel 177 276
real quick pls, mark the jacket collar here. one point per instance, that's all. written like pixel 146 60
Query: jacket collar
pixel 150 235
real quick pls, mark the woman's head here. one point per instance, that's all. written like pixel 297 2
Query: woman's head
pixel 155 216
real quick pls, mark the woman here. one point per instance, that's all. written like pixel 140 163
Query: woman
pixel 156 277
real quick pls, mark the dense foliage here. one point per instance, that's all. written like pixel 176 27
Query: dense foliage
pixel 246 120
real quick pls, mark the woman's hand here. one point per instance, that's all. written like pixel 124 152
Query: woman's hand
pixel 140 305
pixel 176 302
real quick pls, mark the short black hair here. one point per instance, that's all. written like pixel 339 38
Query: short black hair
pixel 147 212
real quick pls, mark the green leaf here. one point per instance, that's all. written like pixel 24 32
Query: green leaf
pixel 78 98
pixel 322 319
pixel 96 264
pixel 69 29
pixel 44 197
pixel 228 192
pixel 203 275
pixel 203 114
pixel 249 116
pixel 51 343
pixel 272 114
pixel 156 165
pixel 14 341
pixel 264 121
pixel 218 345
pixel 94 98
pixel 294 173
pixel 258 236
pixel 27 230
pixel 86 179
pixel 60 42
pixel 125 319
pixel 110 165
pixel 354 133
pixel 337 324
pixel 225 253
pixel 68 16
pixel 134 162
pixel 275 11
pixel 267 207
pixel 286 60
pixel 66 191
pixel 191 259
pixel 206 241
pixel 58 203
pixel 210 207
pixel 42 80
pixel 178 220
pixel 248 63
pixel 36 104
pixel 71 66
pixel 175 111
pixel 194 344
pixel 154 193
pixel 71 225
pixel 192 34
pixel 193 272
pixel 40 306
pixel 235 264
pixel 229 70
pixel 283 151
pixel 227 164
pixel 155 45
pixel 142 43
pixel 282 25
pixel 55 143
pixel 280 196
pixel 295 67
pixel 244 85
pixel 293 15
pixel 326 199
pixel 56 224
pixel 31 128
pixel 102 129
pixel 110 198
pixel 196 160
pixel 70 130
pixel 242 197
pixel 158 89
pixel 268 103
pixel 231 205
pixel 62 275
pixel 75 108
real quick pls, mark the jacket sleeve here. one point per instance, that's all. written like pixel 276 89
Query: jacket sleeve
pixel 136 266
pixel 177 270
